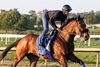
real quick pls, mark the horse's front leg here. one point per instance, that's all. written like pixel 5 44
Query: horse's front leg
pixel 73 58
pixel 62 60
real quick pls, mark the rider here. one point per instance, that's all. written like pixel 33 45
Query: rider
pixel 51 17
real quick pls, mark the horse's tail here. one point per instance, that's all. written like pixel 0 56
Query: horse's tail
pixel 8 48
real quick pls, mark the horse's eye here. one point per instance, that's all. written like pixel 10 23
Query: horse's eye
pixel 83 23
pixel 80 22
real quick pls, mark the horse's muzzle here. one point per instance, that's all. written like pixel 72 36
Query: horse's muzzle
pixel 85 35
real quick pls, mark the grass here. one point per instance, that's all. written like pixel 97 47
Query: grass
pixel 94 31
pixel 93 43
pixel 9 41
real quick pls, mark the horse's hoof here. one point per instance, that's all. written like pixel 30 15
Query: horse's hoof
pixel 83 65
pixel 58 65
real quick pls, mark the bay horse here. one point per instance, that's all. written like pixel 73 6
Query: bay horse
pixel 62 47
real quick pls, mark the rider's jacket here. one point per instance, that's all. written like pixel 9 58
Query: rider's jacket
pixel 56 15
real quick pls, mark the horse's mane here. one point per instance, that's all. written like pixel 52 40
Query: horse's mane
pixel 71 19
pixel 68 20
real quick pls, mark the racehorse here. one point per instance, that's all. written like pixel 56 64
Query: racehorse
pixel 62 47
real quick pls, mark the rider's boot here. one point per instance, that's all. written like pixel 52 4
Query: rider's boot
pixel 52 35
pixel 49 40
pixel 43 38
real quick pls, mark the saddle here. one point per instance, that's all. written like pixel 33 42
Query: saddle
pixel 42 50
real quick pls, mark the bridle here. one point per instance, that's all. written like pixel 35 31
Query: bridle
pixel 70 31
pixel 76 24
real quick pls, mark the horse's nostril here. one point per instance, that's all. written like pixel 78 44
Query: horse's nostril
pixel 85 36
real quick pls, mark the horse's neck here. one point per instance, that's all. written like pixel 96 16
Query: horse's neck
pixel 68 32
pixel 66 37
pixel 69 25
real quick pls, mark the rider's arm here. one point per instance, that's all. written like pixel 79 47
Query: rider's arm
pixel 52 23
pixel 53 19
pixel 63 23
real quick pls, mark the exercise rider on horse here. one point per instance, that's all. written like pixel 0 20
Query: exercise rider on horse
pixel 51 17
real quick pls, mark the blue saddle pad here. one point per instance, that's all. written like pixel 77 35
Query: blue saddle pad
pixel 42 50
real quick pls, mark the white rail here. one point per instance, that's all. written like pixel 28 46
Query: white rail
pixel 91 37
pixel 8 36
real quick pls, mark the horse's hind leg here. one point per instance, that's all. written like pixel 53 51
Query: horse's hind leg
pixel 19 56
pixel 33 59
pixel 73 58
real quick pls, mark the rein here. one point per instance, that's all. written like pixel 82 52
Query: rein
pixel 69 31
pixel 62 38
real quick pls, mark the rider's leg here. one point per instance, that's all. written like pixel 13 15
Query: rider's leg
pixel 51 38
pixel 46 27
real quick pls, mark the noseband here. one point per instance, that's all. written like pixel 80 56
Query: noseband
pixel 85 30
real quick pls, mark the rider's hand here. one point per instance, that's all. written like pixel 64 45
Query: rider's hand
pixel 58 29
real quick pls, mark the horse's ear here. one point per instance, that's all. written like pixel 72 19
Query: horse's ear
pixel 79 17
pixel 82 17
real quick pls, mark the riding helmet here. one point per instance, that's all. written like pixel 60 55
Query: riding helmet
pixel 67 7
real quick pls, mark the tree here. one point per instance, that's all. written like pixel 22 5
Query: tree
pixel 9 18
pixel 39 21
pixel 32 18
pixel 21 24
pixel 90 17
pixel 2 20
pixel 97 17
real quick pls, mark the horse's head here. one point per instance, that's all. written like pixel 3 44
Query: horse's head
pixel 77 26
